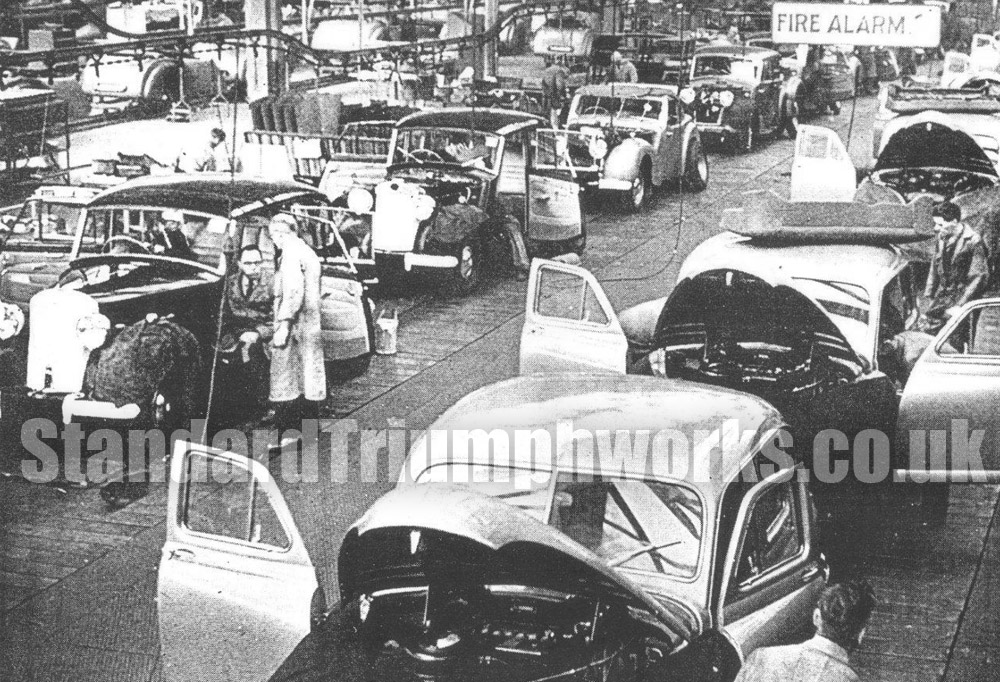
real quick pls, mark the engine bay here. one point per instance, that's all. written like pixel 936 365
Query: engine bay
pixel 941 184
pixel 493 632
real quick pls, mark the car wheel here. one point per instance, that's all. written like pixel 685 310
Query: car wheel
pixel 635 198
pixel 465 275
pixel 696 168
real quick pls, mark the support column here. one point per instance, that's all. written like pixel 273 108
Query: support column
pixel 491 48
pixel 263 74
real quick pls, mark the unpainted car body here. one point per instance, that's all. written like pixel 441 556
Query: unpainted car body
pixel 795 316
pixel 629 139
pixel 737 93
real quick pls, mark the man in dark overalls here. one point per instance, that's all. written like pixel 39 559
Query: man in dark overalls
pixel 959 270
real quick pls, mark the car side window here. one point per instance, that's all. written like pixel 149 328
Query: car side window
pixel 977 334
pixel 222 500
pixel 567 296
pixel 774 534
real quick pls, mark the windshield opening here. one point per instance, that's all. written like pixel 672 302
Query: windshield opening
pixel 633 107
pixel 633 524
pixel 470 148
pixel 157 231
pixel 721 65
pixel 42 221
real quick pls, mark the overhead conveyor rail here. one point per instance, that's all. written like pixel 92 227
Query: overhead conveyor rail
pixel 180 45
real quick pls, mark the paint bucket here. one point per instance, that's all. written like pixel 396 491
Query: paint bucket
pixel 386 327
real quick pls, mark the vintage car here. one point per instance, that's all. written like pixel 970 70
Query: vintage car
pixel 737 93
pixel 793 303
pixel 974 111
pixel 833 79
pixel 658 57
pixel 457 180
pixel 45 226
pixel 174 296
pixel 626 139
pixel 481 581
pixel 567 34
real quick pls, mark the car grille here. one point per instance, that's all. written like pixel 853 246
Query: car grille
pixel 708 112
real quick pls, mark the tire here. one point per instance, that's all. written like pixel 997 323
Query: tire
pixel 465 275
pixel 696 170
pixel 633 200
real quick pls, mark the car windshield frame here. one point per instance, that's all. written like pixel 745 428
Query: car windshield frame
pixel 38 233
pixel 616 106
pixel 536 491
pixel 700 60
pixel 470 157
pixel 214 256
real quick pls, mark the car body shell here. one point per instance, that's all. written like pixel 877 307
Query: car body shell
pixel 590 403
pixel 570 35
pixel 658 146
pixel 757 103
pixel 127 288
pixel 402 239
pixel 658 57
pixel 736 287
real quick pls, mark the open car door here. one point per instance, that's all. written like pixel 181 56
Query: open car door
pixel 954 390
pixel 822 169
pixel 236 585
pixel 552 205
pixel 569 324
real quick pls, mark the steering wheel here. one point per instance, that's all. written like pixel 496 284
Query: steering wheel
pixel 132 241
pixel 595 111
pixel 427 154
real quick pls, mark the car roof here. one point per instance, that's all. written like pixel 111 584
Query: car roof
pixel 628 90
pixel 218 194
pixel 611 402
pixel 736 50
pixel 497 121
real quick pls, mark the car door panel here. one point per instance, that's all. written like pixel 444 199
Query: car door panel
pixel 773 605
pixel 955 391
pixel 569 323
pixel 235 584
pixel 822 169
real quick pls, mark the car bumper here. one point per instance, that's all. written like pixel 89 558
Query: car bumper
pixel 21 403
pixel 614 184
pixel 409 262
pixel 716 129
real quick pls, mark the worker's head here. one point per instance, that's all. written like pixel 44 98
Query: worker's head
pixel 282 228
pixel 947 217
pixel 843 611
pixel 217 137
pixel 171 219
pixel 251 261
pixel 617 57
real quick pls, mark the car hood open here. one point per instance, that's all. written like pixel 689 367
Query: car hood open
pixel 934 140
pixel 427 532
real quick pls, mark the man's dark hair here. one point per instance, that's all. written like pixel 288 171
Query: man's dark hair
pixel 249 247
pixel 219 133
pixel 845 609
pixel 948 211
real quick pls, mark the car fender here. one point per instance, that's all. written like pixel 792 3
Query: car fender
pixel 625 160
pixel 156 79
pixel 690 133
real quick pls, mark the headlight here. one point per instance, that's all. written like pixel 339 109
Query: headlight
pixel 598 148
pixel 687 95
pixel 360 200
pixel 658 362
pixel 726 98
pixel 93 331
pixel 11 321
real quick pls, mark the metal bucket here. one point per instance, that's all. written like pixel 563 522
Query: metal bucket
pixel 386 327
